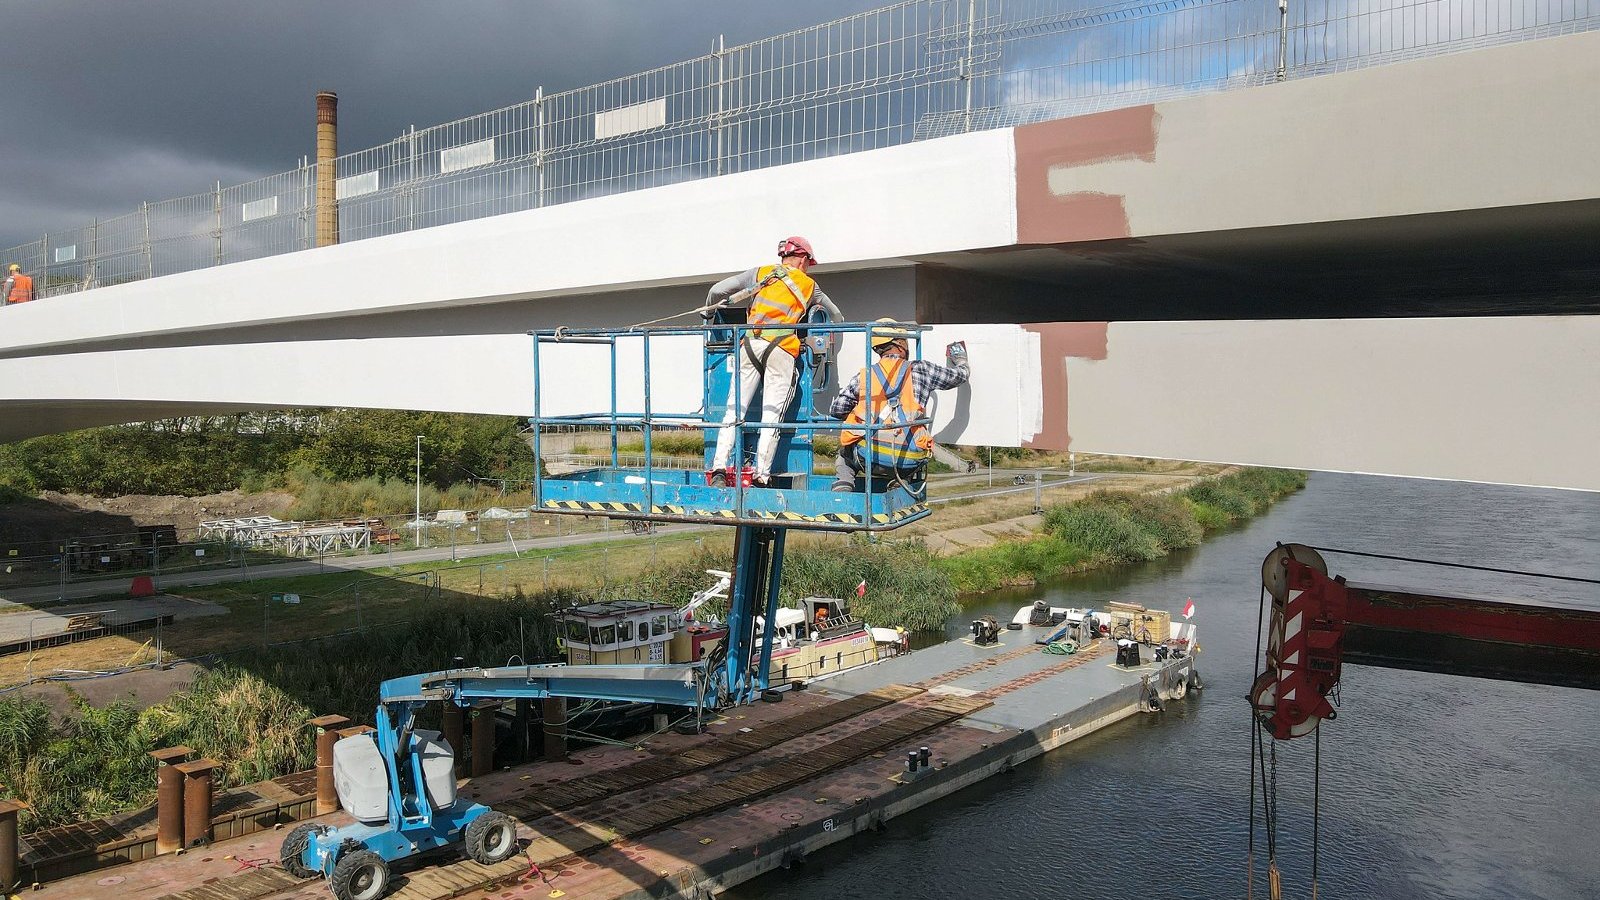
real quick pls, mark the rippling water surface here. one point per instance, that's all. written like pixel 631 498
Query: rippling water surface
pixel 1432 786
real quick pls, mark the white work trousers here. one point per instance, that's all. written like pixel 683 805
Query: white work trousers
pixel 777 391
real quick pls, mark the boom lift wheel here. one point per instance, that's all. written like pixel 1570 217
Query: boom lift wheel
pixel 360 875
pixel 491 838
pixel 290 856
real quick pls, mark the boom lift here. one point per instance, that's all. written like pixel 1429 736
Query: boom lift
pixel 398 780
pixel 1318 623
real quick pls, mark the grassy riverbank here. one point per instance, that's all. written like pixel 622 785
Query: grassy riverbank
pixel 249 709
pixel 1111 527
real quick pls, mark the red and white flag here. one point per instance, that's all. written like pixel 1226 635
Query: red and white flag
pixel 1188 609
pixel 861 589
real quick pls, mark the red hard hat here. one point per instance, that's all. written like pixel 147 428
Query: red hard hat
pixel 796 245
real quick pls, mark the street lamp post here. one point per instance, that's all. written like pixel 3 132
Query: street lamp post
pixel 417 522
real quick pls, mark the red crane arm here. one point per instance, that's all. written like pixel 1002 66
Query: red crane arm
pixel 1319 623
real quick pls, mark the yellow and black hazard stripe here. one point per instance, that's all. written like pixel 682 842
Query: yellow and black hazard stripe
pixel 594 506
pixel 833 518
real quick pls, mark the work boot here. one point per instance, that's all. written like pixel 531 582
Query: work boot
pixel 840 487
pixel 717 478
pixel 761 481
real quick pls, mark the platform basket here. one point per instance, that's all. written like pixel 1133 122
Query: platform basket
pixel 626 385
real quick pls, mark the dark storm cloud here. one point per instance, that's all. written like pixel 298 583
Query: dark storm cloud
pixel 106 104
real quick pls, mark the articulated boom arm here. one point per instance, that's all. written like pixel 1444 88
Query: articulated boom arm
pixel 1319 623
pixel 683 684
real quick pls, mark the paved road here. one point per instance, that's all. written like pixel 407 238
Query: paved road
pixel 106 587
pixel 49 593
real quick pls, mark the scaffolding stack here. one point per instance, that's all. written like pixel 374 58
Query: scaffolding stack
pixel 292 538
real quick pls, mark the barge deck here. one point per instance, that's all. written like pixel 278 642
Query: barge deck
pixel 686 816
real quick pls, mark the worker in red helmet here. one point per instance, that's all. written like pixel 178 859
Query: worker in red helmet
pixel 780 297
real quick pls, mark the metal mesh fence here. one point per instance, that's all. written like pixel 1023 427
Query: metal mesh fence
pixel 909 71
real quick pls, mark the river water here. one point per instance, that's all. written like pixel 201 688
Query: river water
pixel 1432 786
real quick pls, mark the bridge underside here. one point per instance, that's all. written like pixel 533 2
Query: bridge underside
pixel 1526 260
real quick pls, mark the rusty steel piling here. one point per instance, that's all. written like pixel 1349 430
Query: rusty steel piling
pixel 327 733
pixel 483 737
pixel 196 801
pixel 8 843
pixel 169 798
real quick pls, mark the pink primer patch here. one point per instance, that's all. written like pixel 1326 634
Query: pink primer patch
pixel 1045 217
pixel 1059 341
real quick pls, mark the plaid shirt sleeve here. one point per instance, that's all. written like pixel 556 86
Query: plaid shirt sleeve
pixel 927 377
pixel 846 399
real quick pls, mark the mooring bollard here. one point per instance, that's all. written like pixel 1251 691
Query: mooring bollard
pixel 169 798
pixel 327 734
pixel 8 843
pixel 196 801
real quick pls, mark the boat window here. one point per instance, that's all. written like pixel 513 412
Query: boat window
pixel 577 632
pixel 625 631
pixel 660 625
pixel 603 635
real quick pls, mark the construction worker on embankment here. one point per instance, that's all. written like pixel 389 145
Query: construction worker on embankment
pixel 780 297
pixel 18 287
pixel 898 391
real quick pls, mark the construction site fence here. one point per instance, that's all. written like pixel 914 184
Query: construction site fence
pixel 904 72
pixel 113 558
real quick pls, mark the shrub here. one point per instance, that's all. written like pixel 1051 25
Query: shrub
pixel 1104 531
pixel 1012 563
pixel 904 585
pixel 248 713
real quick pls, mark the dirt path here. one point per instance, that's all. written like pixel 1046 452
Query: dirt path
pixel 55 516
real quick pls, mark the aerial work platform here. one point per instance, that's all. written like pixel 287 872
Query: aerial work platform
pixel 631 382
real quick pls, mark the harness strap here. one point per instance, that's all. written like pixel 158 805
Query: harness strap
pixel 759 362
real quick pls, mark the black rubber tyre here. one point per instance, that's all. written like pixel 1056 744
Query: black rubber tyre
pixel 293 846
pixel 360 875
pixel 771 696
pixel 491 838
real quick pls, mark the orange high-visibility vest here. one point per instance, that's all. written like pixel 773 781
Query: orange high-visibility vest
pixel 888 388
pixel 783 302
pixel 21 288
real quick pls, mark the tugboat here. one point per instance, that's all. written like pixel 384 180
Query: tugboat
pixel 819 639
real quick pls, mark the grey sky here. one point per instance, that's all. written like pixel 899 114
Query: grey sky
pixel 107 103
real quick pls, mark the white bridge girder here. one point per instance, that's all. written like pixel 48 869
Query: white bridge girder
pixel 1510 400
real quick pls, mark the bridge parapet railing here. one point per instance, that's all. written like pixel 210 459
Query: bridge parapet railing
pixel 907 71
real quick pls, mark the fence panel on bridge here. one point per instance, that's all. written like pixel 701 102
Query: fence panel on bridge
pixel 907 71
